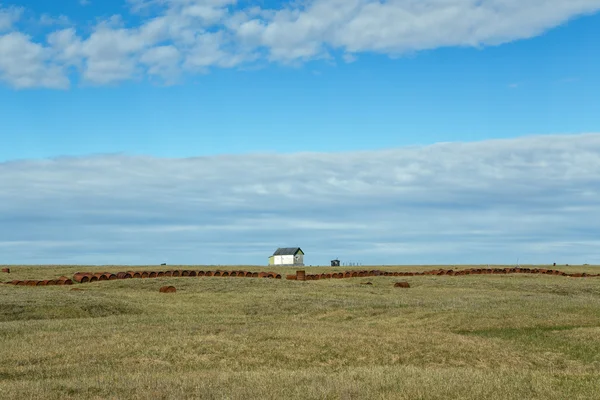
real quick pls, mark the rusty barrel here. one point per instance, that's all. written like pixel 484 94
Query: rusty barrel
pixel 6 270
pixel 81 277
pixel 209 273
pixel 168 273
pixel 217 273
pixel 290 277
pixel 100 276
pixel 30 283
pixel 263 275
pixel 152 274
pixel 64 281
pixel 167 289
pixel 402 285
pixel 160 274
pixel 200 273
pixel 185 272
pixel 233 274
pixel 176 273
pixel 193 274
pixel 144 274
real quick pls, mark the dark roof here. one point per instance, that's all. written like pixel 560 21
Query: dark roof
pixel 287 251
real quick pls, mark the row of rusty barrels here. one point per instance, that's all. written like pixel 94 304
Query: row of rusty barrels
pixel 63 280
pixel 302 276
pixel 84 277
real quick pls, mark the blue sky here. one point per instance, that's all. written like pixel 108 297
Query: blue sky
pixel 173 79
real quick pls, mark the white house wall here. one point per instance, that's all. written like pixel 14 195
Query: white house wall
pixel 284 260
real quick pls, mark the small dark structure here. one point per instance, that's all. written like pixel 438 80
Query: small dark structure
pixel 163 264
pixel 335 263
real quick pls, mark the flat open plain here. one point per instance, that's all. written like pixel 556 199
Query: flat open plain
pixel 514 336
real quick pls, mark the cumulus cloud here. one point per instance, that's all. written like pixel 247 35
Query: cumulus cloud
pixel 224 33
pixel 8 17
pixel 532 198
pixel 26 64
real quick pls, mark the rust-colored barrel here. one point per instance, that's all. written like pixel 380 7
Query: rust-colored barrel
pixel 277 276
pixel 242 274
pixel 168 273
pixel 185 272
pixel 263 275
pixel 315 277
pixel 217 273
pixel 176 273
pixel 50 282
pixel 144 274
pixel 21 283
pixel 81 277
pixel 160 274
pixel 300 275
pixel 152 274
pixel 100 276
pixel 233 274
pixel 290 277
pixel 6 270
pixel 200 273
pixel 225 274
pixel 16 282
pixel 402 285
pixel 167 289
pixel 93 279
pixel 209 273
pixel 192 273
pixel 255 274
pixel 64 281
pixel 30 283
pixel 40 283
pixel 110 276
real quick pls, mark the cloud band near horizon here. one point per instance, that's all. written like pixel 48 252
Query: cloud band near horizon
pixel 496 201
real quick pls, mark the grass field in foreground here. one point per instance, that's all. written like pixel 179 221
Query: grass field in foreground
pixel 466 337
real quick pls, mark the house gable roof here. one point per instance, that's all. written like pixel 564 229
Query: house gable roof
pixel 288 251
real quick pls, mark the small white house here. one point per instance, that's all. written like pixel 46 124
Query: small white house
pixel 287 256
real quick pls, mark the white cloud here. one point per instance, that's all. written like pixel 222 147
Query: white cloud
pixel 26 64
pixel 61 20
pixel 8 17
pixel 534 198
pixel 221 33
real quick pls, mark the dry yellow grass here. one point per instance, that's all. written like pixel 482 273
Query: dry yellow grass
pixel 465 337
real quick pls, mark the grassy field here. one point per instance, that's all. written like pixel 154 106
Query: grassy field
pixel 466 337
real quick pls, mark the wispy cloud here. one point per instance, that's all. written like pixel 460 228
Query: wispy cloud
pixel 535 198
pixel 223 34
